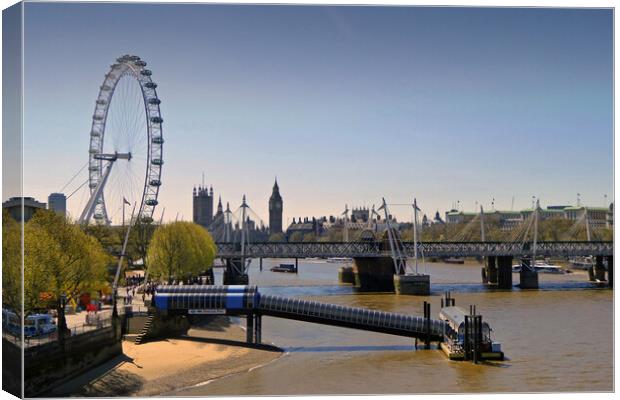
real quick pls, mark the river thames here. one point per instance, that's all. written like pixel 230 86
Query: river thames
pixel 558 338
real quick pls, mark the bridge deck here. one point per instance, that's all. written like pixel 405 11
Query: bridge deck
pixel 251 302
pixel 429 249
pixel 349 317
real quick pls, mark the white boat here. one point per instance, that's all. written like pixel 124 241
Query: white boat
pixel 339 260
pixel 542 267
pixel 581 262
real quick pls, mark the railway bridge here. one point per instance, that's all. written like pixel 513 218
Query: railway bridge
pixel 374 268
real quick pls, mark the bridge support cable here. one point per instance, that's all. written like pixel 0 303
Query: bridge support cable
pixel 396 246
pixel 345 227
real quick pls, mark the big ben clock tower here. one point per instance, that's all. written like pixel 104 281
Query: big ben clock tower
pixel 275 210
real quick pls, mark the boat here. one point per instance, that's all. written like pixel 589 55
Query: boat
pixel 455 335
pixel 284 268
pixel 581 262
pixel 454 260
pixel 542 267
pixel 339 260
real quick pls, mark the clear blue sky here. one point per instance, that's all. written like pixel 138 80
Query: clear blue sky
pixel 343 104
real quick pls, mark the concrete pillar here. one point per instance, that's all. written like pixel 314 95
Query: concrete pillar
pixel 346 275
pixel 374 274
pixel 610 271
pixel 591 273
pixel 504 272
pixel 491 270
pixel 231 276
pixel 258 328
pixel 528 278
pixel 418 285
pixel 599 269
pixel 249 328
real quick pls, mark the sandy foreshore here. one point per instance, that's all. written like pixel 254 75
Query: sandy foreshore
pixel 162 367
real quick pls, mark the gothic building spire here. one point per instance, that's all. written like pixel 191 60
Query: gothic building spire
pixel 275 209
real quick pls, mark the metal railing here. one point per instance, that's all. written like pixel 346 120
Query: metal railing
pixel 31 341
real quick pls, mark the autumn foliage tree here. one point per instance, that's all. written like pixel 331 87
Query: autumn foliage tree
pixel 179 250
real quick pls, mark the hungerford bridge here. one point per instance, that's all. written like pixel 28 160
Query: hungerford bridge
pixel 382 264
pixel 429 249
pixel 374 265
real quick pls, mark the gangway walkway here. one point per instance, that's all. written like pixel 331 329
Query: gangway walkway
pixel 246 300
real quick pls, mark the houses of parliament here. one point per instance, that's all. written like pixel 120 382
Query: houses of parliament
pixel 203 215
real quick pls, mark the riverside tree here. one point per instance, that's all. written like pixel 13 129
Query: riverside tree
pixel 11 264
pixel 61 260
pixel 179 250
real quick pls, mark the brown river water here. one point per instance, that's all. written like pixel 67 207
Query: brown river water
pixel 558 338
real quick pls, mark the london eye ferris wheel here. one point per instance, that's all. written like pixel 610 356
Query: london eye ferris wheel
pixel 125 153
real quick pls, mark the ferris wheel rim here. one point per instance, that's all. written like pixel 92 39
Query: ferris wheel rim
pixel 133 67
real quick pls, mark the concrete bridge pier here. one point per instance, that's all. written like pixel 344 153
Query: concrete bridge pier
pixel 528 278
pixel 346 275
pixel 504 272
pixel 231 274
pixel 417 285
pixel 489 271
pixel 599 269
pixel 253 328
pixel 374 274
pixel 258 328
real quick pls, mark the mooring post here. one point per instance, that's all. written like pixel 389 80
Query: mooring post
pixel 260 264
pixel 475 335
pixel 466 338
pixel 250 328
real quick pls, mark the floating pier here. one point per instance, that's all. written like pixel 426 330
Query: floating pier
pixel 466 337
pixel 462 336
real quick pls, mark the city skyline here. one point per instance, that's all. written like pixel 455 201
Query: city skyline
pixel 445 105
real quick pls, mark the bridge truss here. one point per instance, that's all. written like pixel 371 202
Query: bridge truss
pixel 429 249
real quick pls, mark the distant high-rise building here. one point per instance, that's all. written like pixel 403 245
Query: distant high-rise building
pixel 57 202
pixel 14 207
pixel 275 210
pixel 203 206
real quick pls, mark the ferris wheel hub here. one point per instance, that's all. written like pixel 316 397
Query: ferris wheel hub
pixel 113 156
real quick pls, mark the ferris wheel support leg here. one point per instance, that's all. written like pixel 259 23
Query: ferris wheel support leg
pixel 92 202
